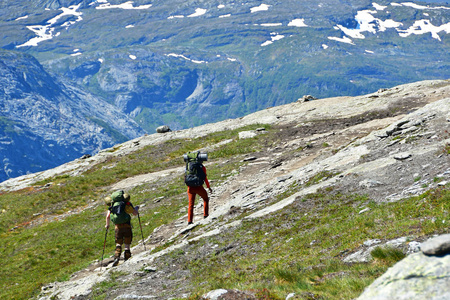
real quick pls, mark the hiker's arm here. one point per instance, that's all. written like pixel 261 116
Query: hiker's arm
pixel 206 180
pixel 108 218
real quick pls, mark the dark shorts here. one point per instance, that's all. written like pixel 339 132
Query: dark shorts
pixel 124 234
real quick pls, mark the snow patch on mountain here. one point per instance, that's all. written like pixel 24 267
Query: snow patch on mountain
pixel 186 58
pixel 342 40
pixel 46 32
pixel 271 24
pixel 126 5
pixel 425 26
pixel 368 23
pixel 275 37
pixel 297 23
pixel 22 18
pixel 262 7
pixel 417 6
pixel 198 12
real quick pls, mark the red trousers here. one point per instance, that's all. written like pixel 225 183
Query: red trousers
pixel 192 192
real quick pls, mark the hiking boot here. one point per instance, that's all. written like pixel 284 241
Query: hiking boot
pixel 116 261
pixel 127 255
pixel 189 223
pixel 117 255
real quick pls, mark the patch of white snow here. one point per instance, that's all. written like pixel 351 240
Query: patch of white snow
pixel 271 24
pixel 425 26
pixel 298 23
pixel 262 7
pixel 22 18
pixel 416 6
pixel 275 37
pixel 388 24
pixel 345 39
pixel 126 5
pixel 176 17
pixel 184 57
pixel 45 32
pixel 198 12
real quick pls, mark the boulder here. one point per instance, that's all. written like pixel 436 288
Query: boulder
pixel 418 276
pixel 306 98
pixel 437 246
pixel 163 129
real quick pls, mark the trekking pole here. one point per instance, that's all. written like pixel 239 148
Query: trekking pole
pixel 140 225
pixel 104 244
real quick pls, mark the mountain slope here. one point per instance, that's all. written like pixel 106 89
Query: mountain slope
pixel 45 123
pixel 298 190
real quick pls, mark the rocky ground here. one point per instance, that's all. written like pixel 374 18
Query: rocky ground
pixel 388 145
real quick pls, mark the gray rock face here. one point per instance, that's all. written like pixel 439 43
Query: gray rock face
pixel 418 276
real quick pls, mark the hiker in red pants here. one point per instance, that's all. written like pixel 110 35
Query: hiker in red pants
pixel 194 179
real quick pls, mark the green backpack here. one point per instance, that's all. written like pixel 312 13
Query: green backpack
pixel 117 209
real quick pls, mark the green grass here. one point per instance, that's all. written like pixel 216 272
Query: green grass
pixel 37 255
pixel 446 149
pixel 300 249
pixel 387 254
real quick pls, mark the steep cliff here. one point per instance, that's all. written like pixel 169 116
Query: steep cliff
pixel 45 123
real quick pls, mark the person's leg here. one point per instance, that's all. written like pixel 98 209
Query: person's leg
pixel 191 198
pixel 202 193
pixel 117 255
pixel 128 237
pixel 119 242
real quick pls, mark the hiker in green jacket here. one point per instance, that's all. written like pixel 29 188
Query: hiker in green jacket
pixel 119 211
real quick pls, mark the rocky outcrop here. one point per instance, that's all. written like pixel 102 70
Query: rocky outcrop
pixel 423 275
